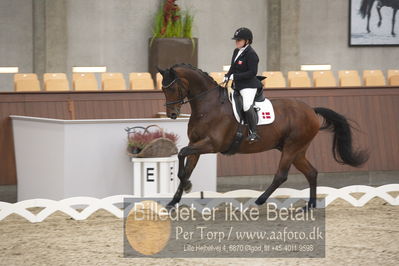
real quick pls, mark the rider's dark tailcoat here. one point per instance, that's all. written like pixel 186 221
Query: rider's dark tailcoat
pixel 245 69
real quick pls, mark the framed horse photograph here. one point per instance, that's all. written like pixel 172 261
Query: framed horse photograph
pixel 372 23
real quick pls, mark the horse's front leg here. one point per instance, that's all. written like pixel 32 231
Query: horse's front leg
pixel 192 152
pixel 185 170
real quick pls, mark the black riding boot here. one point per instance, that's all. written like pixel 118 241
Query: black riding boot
pixel 251 118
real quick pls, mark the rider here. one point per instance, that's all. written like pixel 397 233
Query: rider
pixel 243 70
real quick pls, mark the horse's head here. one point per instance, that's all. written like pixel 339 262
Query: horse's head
pixel 175 91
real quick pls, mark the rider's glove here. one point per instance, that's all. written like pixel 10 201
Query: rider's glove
pixel 226 78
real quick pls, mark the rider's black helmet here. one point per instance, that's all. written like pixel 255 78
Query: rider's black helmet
pixel 243 34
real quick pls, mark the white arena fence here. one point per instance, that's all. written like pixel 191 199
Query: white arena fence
pixel 92 205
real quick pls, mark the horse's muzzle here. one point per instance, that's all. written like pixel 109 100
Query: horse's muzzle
pixel 173 113
pixel 173 116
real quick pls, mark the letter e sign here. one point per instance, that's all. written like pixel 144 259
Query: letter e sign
pixel 150 174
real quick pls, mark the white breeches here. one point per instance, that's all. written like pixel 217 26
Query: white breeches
pixel 248 95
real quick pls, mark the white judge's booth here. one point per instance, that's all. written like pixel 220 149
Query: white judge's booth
pixel 58 159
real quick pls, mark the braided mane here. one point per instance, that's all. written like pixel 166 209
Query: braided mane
pixel 202 73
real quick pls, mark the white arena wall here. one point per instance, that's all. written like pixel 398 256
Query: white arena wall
pixel 58 159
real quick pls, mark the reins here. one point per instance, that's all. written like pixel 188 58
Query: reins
pixel 181 100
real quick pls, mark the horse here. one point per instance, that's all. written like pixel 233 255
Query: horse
pixel 366 6
pixel 212 127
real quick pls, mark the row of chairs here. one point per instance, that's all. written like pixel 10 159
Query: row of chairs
pixel 82 82
pixel 347 78
pixel 144 81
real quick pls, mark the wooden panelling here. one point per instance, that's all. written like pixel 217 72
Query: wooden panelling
pixel 8 173
pixel 374 109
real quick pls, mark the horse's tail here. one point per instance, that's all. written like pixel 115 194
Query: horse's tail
pixel 342 141
pixel 364 6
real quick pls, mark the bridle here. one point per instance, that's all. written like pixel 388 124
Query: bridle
pixel 181 100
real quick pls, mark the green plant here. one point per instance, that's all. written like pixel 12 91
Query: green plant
pixel 188 25
pixel 171 22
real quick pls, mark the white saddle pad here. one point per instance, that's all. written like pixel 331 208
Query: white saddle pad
pixel 265 112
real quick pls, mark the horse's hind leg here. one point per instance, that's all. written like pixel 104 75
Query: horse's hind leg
pixel 279 178
pixel 303 165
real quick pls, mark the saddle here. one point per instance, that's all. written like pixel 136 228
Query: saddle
pixel 262 106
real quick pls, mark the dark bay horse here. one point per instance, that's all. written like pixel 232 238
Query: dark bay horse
pixel 212 127
pixel 366 6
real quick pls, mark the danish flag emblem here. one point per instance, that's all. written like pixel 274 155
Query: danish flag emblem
pixel 266 115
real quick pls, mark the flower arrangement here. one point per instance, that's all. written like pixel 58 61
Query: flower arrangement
pixel 172 22
pixel 158 142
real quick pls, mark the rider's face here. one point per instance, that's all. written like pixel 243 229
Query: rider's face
pixel 240 43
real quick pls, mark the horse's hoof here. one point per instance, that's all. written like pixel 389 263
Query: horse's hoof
pixel 188 187
pixel 259 201
pixel 309 206
pixel 253 205
pixel 170 206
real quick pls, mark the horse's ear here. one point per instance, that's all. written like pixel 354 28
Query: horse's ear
pixel 160 70
pixel 172 72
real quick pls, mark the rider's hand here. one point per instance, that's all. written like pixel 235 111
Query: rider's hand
pixel 225 79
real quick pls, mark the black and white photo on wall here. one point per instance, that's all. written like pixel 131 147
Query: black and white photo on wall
pixel 373 22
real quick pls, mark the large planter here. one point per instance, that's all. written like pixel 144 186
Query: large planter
pixel 165 52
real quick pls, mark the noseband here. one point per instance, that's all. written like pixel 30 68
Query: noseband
pixel 181 100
